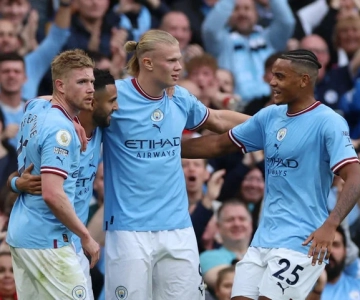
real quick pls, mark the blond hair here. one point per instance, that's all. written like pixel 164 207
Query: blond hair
pixel 149 41
pixel 67 61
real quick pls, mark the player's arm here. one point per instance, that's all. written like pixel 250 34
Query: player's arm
pixel 95 226
pixel 58 202
pixel 221 121
pixel 349 195
pixel 208 146
pixel 27 182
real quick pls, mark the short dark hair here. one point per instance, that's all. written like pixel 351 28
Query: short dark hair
pixel 302 56
pixel 231 201
pixel 102 79
pixel 11 56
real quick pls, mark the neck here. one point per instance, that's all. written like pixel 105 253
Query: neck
pixel 238 247
pixel 13 100
pixel 297 106
pixel 87 122
pixel 90 24
pixel 194 197
pixel 150 87
pixel 59 100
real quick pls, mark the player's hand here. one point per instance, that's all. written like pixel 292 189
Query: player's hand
pixel 29 183
pixel 91 248
pixel 321 243
pixel 80 131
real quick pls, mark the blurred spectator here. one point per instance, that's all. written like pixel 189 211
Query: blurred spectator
pixel 92 26
pixel 226 81
pixel 38 61
pixel 25 20
pixel 190 86
pixel 7 282
pixel 224 283
pixel 12 79
pixel 8 155
pixel 331 84
pixel 139 16
pixel 245 49
pixel 202 71
pixel 339 285
pixel 196 11
pixel 178 25
pixel 235 229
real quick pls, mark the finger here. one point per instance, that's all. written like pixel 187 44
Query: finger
pixel 29 168
pixel 322 254
pixel 328 252
pixel 316 254
pixel 308 240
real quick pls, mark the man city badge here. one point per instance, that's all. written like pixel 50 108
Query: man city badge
pixel 157 115
pixel 79 292
pixel 281 134
pixel 121 293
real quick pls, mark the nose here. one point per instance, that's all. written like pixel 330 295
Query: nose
pixel 178 66
pixel 116 106
pixel 272 81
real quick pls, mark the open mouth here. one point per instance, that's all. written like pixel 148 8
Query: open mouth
pixel 192 178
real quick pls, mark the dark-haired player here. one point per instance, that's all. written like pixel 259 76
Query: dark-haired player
pixel 305 143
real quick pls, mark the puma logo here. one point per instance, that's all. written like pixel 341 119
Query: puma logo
pixel 61 160
pixel 283 289
pixel 157 126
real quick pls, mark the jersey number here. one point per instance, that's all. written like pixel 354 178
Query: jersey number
pixel 284 269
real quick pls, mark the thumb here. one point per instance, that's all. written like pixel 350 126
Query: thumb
pixel 29 168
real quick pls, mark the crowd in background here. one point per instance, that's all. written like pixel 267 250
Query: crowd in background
pixel 228 48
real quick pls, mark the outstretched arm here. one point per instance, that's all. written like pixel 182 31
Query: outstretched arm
pixel 207 146
pixel 221 121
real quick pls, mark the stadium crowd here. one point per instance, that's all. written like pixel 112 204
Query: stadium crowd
pixel 228 49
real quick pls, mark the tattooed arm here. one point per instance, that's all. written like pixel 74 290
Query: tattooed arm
pixel 322 238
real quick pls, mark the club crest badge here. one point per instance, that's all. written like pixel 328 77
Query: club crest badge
pixel 121 293
pixel 157 115
pixel 79 292
pixel 281 134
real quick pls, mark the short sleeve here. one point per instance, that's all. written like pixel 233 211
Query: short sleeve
pixel 338 143
pixel 58 147
pixel 249 136
pixel 197 112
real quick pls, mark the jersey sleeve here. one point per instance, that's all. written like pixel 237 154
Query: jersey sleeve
pixel 197 111
pixel 58 145
pixel 249 136
pixel 338 143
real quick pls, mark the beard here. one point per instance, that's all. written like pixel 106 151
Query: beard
pixel 333 271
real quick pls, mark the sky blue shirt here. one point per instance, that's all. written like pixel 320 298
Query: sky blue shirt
pixel 302 152
pixel 49 141
pixel 212 258
pixel 144 182
pixel 346 288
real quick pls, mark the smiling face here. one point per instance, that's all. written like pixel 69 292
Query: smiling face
pixel 285 82
pixel 252 187
pixel 234 223
pixel 7 282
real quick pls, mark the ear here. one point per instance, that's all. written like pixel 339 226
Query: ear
pixel 59 85
pixel 305 80
pixel 147 62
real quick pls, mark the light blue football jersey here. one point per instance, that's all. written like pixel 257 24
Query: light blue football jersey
pixel 49 141
pixel 302 153
pixel 144 182
pixel 89 161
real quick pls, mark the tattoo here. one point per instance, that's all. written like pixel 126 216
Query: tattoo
pixel 347 200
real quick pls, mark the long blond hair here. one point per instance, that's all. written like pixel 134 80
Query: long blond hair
pixel 149 41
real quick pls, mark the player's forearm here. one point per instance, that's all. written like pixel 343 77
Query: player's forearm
pixel 12 175
pixel 227 119
pixel 61 207
pixel 348 197
pixel 200 147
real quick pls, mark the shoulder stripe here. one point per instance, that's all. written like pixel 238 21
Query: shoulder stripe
pixel 202 121
pixel 52 170
pixel 344 162
pixel 236 142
